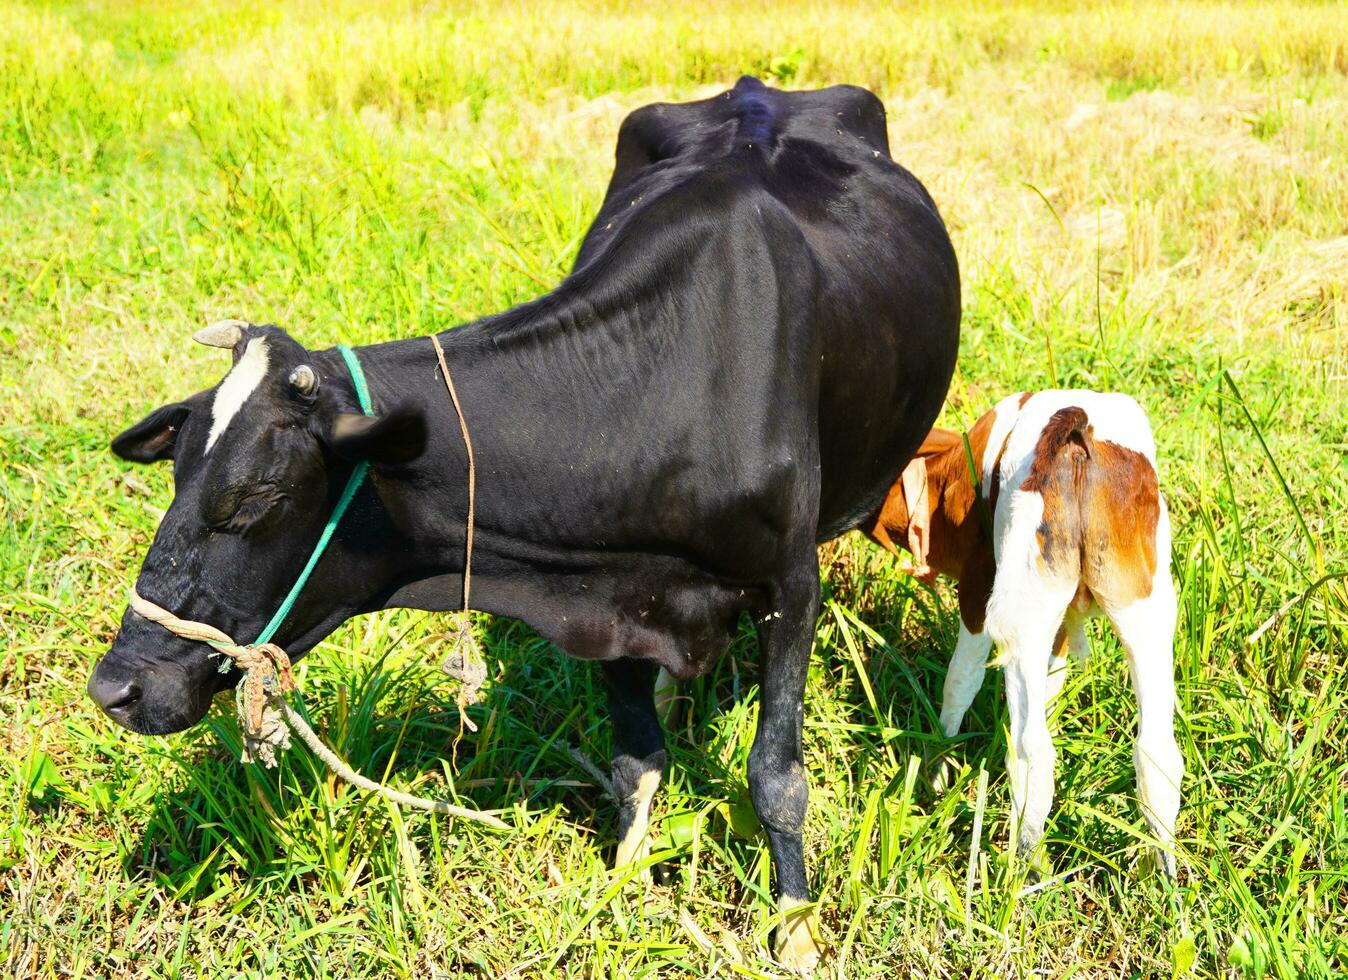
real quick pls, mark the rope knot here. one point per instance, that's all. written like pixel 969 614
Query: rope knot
pixel 465 664
pixel 266 678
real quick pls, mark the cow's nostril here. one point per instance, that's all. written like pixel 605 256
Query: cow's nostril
pixel 115 696
pixel 124 698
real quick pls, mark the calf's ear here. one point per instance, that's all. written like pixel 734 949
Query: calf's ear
pixel 153 437
pixel 397 436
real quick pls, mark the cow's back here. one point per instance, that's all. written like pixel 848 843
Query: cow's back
pixel 876 268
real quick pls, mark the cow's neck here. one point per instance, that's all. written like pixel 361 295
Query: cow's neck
pixel 528 379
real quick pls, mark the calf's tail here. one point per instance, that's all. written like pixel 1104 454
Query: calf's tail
pixel 1068 430
pixel 1059 472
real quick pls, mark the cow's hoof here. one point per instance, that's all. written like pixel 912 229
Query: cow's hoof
pixel 1033 859
pixel 794 945
pixel 622 862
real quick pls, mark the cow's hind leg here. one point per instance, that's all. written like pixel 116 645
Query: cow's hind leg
pixel 638 753
pixel 777 782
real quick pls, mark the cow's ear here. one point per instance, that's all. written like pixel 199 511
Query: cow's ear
pixel 153 437
pixel 397 436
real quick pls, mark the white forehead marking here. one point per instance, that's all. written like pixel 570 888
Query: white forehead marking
pixel 241 381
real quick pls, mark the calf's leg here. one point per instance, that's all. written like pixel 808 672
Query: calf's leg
pixel 963 678
pixel 638 753
pixel 1147 629
pixel 1071 641
pixel 1023 620
pixel 777 783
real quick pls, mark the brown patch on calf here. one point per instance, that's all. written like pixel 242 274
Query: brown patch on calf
pixel 1122 505
pixel 960 545
pixel 975 588
pixel 1101 505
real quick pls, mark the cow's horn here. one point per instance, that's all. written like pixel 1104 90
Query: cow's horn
pixel 222 333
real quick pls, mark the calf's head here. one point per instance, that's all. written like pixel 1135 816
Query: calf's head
pixel 258 463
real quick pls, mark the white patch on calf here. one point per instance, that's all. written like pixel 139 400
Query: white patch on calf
pixel 1005 414
pixel 241 382
pixel 1029 601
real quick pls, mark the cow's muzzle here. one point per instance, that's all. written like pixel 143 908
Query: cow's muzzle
pixel 154 684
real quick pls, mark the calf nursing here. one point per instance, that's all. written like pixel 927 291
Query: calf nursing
pixel 1065 521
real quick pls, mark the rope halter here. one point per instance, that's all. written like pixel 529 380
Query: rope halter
pixel 264 713
pixel 266 677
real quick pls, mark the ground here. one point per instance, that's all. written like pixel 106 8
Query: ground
pixel 1149 199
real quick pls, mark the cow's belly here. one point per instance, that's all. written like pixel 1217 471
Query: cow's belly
pixel 643 607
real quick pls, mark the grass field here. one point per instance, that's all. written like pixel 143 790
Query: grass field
pixel 1147 199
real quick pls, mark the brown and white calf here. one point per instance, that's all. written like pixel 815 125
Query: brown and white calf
pixel 1066 521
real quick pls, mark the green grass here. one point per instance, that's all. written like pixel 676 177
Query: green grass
pixel 1149 200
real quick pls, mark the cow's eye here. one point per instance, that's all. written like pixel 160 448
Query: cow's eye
pixel 246 507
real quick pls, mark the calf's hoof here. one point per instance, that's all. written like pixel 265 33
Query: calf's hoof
pixel 1158 860
pixel 794 945
pixel 1032 858
pixel 943 773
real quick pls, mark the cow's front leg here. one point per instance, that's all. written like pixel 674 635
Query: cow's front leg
pixel 638 753
pixel 777 782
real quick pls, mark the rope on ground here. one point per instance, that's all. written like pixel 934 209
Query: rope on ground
pixel 310 738
pixel 594 772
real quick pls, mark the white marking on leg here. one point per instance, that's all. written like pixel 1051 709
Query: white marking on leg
pixel 794 945
pixel 1076 647
pixel 635 845
pixel 1030 755
pixel 1027 606
pixel 241 382
pixel 963 678
pixel 1078 644
pixel 1057 663
pixel 666 688
pixel 1057 676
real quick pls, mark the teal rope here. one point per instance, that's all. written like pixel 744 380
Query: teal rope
pixel 349 491
pixel 357 378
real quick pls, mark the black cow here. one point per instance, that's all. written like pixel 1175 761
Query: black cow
pixel 759 329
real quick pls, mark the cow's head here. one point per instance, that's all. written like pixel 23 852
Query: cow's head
pixel 258 462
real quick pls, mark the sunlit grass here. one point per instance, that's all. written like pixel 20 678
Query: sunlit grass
pixel 1149 199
